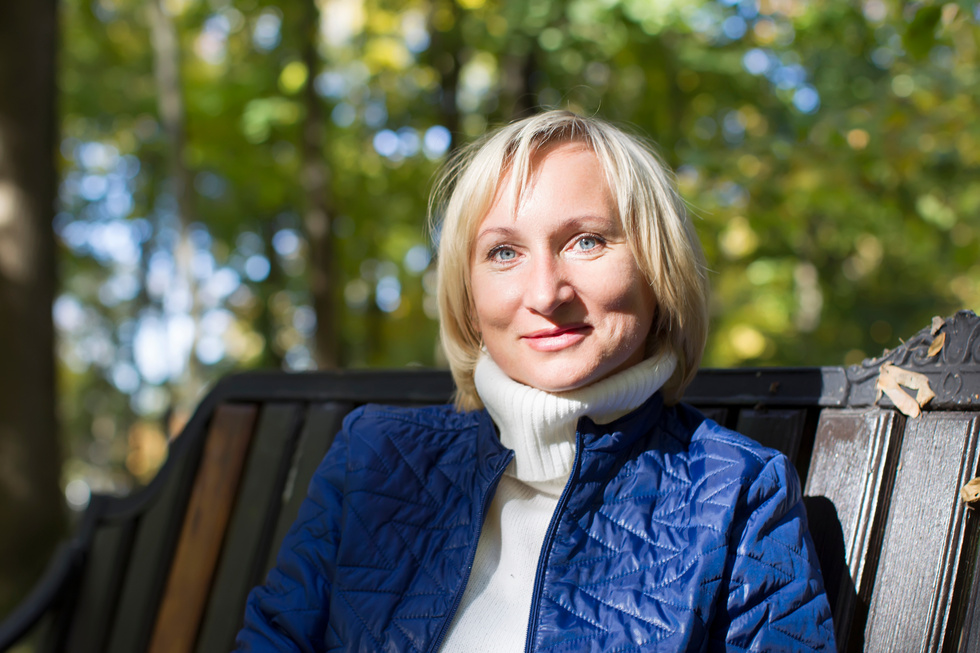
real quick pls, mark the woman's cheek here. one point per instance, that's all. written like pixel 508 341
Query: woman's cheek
pixel 494 299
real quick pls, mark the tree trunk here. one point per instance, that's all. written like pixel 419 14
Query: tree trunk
pixel 517 89
pixel 31 505
pixel 317 216
pixel 170 102
pixel 265 322
pixel 445 54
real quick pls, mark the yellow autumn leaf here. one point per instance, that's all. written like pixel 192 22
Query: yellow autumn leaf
pixel 890 380
pixel 970 493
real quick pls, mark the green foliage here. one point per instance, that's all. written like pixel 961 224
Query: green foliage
pixel 828 151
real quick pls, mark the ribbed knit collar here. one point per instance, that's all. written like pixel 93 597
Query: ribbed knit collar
pixel 540 426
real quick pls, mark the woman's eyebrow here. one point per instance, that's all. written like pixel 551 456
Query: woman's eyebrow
pixel 506 232
pixel 587 221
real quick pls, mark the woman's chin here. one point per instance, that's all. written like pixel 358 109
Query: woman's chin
pixel 561 378
pixel 569 369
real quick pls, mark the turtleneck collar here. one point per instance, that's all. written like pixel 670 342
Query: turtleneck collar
pixel 540 426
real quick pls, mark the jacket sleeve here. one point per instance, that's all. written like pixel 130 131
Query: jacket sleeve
pixel 776 599
pixel 290 611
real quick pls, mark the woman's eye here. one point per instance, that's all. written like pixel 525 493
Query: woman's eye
pixel 588 243
pixel 503 254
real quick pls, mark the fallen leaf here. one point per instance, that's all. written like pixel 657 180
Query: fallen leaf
pixel 970 493
pixel 937 324
pixel 890 380
pixel 937 344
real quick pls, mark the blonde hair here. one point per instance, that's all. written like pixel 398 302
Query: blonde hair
pixel 653 216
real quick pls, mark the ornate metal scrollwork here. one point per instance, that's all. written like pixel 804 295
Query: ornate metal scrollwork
pixel 953 371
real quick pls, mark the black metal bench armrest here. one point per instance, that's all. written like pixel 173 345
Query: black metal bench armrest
pixel 49 590
pixel 58 582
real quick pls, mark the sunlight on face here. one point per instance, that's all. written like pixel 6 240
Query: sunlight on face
pixel 558 297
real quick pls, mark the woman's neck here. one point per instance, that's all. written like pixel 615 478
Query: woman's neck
pixel 540 426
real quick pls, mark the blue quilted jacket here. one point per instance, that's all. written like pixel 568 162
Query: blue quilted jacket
pixel 672 534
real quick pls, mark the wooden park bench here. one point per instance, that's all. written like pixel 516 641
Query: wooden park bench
pixel 168 569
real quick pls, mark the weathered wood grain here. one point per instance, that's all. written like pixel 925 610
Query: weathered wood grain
pixel 208 511
pixel 855 453
pixel 101 586
pixel 926 539
pixel 323 420
pixel 780 429
pixel 785 429
pixel 249 530
pixel 717 413
pixel 148 564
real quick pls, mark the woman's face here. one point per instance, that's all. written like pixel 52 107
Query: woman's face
pixel 558 297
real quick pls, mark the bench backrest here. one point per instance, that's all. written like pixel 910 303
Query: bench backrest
pixel 170 567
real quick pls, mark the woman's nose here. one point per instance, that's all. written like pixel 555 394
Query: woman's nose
pixel 548 288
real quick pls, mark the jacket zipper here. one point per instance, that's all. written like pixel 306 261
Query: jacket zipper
pixel 532 622
pixel 491 490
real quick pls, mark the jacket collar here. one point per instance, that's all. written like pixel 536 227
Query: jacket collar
pixel 624 431
pixel 611 437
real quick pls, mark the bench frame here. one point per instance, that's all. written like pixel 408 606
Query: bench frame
pixel 167 568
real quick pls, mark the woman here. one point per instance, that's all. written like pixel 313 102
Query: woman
pixel 567 502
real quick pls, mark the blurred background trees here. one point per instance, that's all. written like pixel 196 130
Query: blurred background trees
pixel 243 183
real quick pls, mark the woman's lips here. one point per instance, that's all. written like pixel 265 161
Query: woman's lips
pixel 558 338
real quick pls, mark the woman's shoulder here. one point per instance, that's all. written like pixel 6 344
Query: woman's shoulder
pixel 439 417
pixel 719 457
pixel 432 429
pixel 396 447
pixel 706 437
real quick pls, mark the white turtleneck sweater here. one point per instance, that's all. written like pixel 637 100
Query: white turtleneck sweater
pixel 540 428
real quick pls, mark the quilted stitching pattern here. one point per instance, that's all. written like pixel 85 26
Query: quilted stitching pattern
pixel 653 549
pixel 679 537
pixel 414 493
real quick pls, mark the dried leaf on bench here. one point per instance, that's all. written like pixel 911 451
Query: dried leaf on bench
pixel 970 493
pixel 937 324
pixel 937 344
pixel 890 380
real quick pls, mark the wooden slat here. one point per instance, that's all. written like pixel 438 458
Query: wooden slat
pixel 716 413
pixel 43 638
pixel 781 429
pixel 246 545
pixel 855 453
pixel 100 587
pixel 322 423
pixel 970 633
pixel 150 557
pixel 926 537
pixel 208 510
